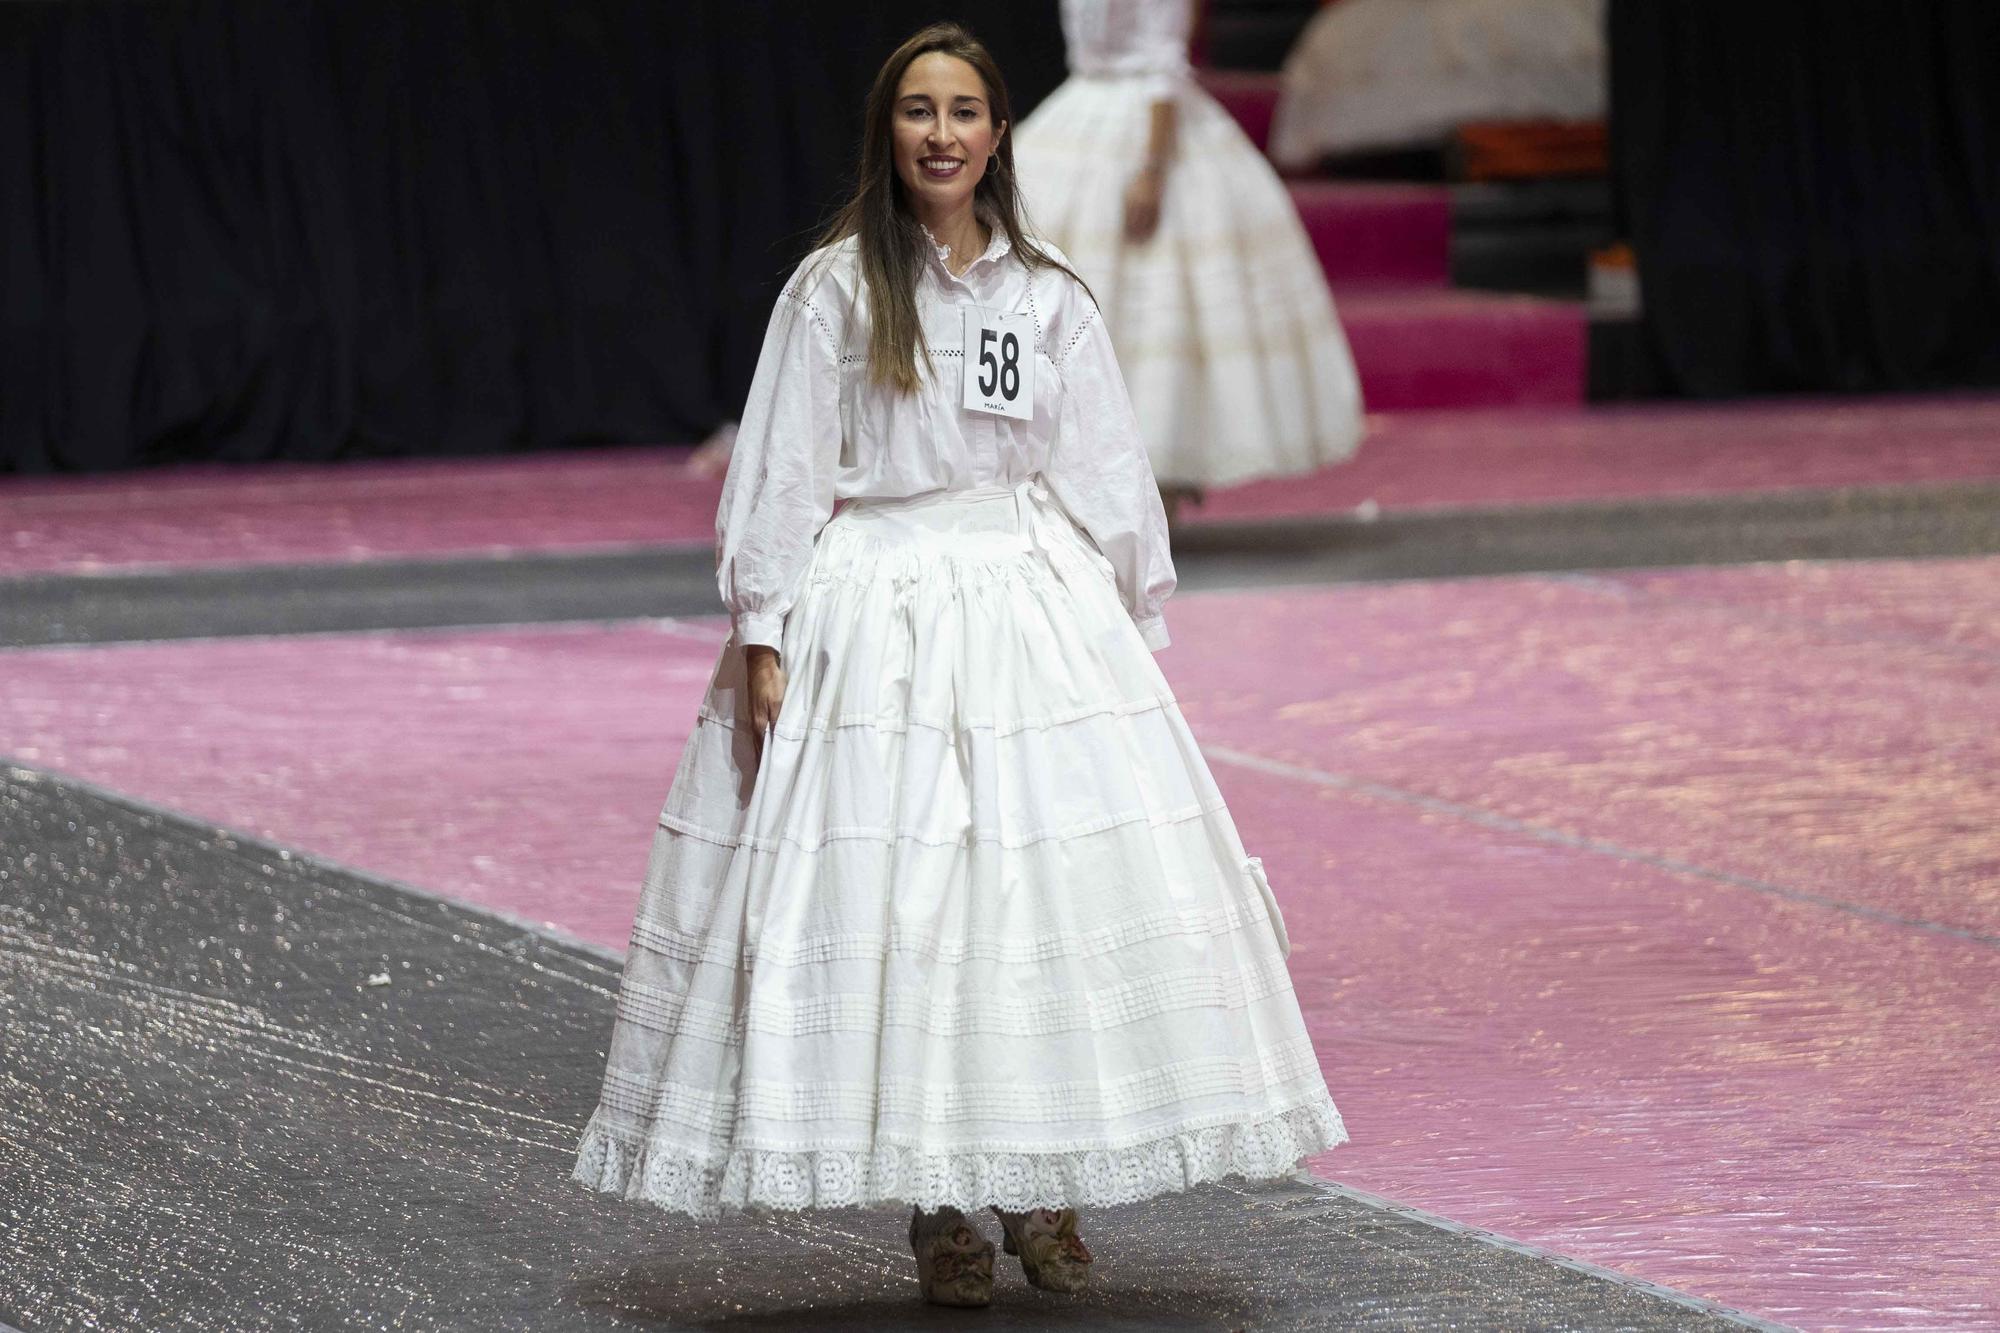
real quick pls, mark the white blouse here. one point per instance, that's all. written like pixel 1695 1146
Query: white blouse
pixel 1129 38
pixel 816 430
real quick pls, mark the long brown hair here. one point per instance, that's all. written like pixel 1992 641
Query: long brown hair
pixel 892 243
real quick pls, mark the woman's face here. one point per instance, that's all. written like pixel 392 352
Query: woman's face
pixel 944 133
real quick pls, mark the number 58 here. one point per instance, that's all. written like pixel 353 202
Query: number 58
pixel 1004 374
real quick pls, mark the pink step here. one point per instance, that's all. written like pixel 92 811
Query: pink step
pixel 1435 347
pixel 1249 95
pixel 1488 456
pixel 1378 234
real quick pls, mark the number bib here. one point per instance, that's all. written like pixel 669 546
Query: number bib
pixel 999 363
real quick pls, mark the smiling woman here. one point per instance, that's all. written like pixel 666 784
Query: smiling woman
pixel 945 907
pixel 937 168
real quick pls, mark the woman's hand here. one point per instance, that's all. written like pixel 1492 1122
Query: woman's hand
pixel 1143 195
pixel 1142 203
pixel 766 688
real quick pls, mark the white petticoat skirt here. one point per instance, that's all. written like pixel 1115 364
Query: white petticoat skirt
pixel 978 931
pixel 1222 321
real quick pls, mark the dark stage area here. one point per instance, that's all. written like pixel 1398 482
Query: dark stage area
pixel 243 231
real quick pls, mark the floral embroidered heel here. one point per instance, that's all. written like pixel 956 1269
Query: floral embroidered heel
pixel 954 1262
pixel 1053 1256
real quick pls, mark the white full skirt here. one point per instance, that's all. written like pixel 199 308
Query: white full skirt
pixel 1377 74
pixel 978 930
pixel 1222 321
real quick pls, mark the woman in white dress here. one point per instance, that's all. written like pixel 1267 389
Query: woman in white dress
pixel 1218 307
pixel 944 906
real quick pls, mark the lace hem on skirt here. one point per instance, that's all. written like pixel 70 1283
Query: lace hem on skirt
pixel 680 1182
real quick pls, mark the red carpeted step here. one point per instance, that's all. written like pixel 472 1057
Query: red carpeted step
pixel 1249 95
pixel 1378 234
pixel 1434 347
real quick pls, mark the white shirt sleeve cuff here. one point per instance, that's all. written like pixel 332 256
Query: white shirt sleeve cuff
pixel 755 627
pixel 1154 632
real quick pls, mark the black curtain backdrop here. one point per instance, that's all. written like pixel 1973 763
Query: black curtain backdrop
pixel 234 229
pixel 1813 192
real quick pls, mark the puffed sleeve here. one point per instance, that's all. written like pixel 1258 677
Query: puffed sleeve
pixel 780 488
pixel 1098 470
pixel 1161 51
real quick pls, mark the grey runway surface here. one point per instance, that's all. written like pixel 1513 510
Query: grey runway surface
pixel 243 1090
pixel 1868 523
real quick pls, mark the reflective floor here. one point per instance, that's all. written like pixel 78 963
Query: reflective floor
pixel 246 1091
pixel 1645 917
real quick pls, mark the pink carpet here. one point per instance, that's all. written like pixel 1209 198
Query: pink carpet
pixel 1645 917
pixel 292 513
pixel 603 499
pixel 1433 460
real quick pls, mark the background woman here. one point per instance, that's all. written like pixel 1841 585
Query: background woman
pixel 945 907
pixel 1224 326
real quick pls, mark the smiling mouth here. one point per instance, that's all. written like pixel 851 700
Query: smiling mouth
pixel 940 166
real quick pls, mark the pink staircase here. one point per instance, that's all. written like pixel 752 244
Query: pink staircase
pixel 1377 235
pixel 1249 95
pixel 1386 250
pixel 1438 347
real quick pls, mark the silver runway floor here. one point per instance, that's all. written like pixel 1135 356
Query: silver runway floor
pixel 241 1090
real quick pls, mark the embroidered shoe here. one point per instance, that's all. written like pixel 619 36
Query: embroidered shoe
pixel 1052 1255
pixel 954 1262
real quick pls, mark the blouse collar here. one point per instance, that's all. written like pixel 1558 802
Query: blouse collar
pixel 996 247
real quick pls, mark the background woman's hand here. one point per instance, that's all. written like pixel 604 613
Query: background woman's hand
pixel 1142 203
pixel 1143 195
pixel 766 688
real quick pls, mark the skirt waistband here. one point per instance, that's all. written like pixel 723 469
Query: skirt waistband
pixel 1017 510
pixel 1033 485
